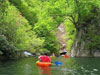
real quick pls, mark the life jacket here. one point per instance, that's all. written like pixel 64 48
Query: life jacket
pixel 66 56
pixel 45 58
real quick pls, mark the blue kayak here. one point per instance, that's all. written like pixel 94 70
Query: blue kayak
pixel 58 63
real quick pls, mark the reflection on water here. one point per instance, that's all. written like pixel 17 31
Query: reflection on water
pixel 45 70
pixel 71 66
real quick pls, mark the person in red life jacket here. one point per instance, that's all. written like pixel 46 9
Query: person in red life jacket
pixel 45 58
pixel 66 56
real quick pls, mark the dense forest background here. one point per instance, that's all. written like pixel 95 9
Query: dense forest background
pixel 31 25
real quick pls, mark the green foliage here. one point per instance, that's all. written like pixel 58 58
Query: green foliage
pixel 71 32
pixel 17 30
pixel 6 48
pixel 32 24
pixel 93 38
pixel 25 10
pixel 44 29
pixel 84 14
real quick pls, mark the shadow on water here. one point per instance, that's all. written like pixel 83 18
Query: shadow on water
pixel 82 66
pixel 78 66
pixel 70 66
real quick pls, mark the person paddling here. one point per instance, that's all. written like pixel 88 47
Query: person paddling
pixel 53 54
pixel 66 56
pixel 44 58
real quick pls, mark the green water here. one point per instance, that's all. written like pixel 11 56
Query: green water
pixel 71 66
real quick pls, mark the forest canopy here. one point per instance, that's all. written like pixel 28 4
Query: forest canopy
pixel 31 25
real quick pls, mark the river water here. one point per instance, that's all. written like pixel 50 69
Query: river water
pixel 70 66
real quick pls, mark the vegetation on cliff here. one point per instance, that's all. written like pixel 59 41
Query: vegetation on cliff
pixel 32 25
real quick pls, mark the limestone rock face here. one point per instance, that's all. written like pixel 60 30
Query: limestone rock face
pixel 61 34
pixel 79 48
pixel 96 53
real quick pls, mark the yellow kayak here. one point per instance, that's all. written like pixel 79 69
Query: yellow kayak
pixel 52 56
